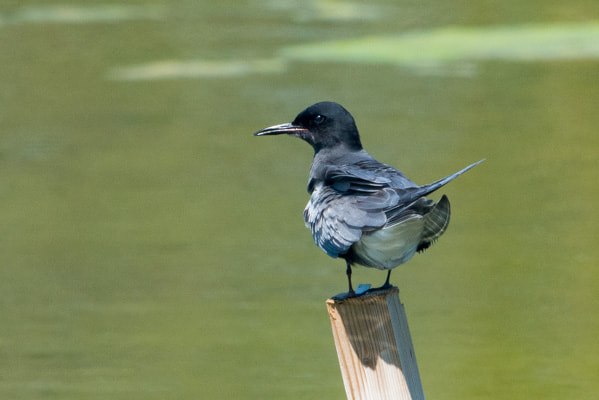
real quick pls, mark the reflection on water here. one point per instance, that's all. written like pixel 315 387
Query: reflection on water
pixel 450 50
pixel 327 10
pixel 73 14
pixel 520 43
pixel 196 69
pixel 150 247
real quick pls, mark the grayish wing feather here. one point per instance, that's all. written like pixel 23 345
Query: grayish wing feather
pixel 349 200
pixel 337 221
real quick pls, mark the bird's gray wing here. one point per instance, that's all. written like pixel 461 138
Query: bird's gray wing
pixel 408 195
pixel 412 200
pixel 364 177
pixel 337 220
pixel 354 180
pixel 352 199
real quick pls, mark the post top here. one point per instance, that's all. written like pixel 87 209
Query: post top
pixel 370 294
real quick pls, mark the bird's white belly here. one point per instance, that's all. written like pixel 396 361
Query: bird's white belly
pixel 391 246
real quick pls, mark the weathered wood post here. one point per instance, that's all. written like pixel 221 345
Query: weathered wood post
pixel 374 347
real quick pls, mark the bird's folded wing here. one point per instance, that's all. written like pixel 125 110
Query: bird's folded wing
pixel 337 221
pixel 350 199
pixel 352 179
pixel 365 176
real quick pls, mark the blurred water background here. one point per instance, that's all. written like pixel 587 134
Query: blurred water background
pixel 151 247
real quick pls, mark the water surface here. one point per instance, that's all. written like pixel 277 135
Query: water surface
pixel 151 247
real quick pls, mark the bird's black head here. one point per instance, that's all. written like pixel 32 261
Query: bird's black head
pixel 323 125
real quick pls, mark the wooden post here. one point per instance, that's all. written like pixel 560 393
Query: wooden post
pixel 374 347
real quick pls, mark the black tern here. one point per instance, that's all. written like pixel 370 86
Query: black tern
pixel 362 210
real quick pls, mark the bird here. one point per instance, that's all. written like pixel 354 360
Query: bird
pixel 361 210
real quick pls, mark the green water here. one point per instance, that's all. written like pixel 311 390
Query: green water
pixel 151 248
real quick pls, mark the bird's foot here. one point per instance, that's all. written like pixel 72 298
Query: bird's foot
pixel 344 295
pixel 360 290
pixel 386 285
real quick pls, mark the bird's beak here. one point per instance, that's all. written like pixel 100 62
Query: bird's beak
pixel 287 128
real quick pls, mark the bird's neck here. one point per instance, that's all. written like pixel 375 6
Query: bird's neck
pixel 337 149
pixel 335 156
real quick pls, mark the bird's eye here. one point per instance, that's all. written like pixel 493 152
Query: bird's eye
pixel 319 119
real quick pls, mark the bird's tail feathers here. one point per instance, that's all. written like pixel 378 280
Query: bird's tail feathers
pixel 435 222
pixel 415 193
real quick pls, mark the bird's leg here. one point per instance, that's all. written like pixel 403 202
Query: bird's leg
pixel 351 292
pixel 387 284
